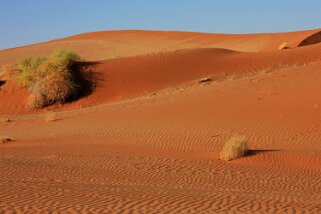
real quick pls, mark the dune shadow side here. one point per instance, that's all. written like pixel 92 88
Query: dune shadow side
pixel 313 39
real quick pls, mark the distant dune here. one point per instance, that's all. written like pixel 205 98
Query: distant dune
pixel 103 45
pixel 147 140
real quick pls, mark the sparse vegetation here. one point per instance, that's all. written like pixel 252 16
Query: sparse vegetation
pixel 54 79
pixel 65 54
pixel 4 119
pixel 4 139
pixel 234 148
pixel 205 79
pixel 116 56
pixel 284 45
pixel 26 69
pixel 50 116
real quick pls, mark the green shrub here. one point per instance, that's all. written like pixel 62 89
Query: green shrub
pixel 53 79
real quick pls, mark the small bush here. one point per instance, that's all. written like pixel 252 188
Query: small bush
pixel 283 46
pixel 234 148
pixel 53 79
pixel 4 139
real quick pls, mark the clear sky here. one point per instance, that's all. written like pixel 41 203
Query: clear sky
pixel 30 21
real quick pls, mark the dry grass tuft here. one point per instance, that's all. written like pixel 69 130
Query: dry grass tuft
pixel 4 119
pixel 205 79
pixel 36 100
pixel 65 54
pixel 234 148
pixel 4 139
pixel 116 56
pixel 50 117
pixel 283 46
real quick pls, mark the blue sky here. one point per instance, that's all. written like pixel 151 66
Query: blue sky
pixel 30 21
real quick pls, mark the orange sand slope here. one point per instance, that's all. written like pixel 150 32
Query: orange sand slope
pixel 144 75
pixel 149 138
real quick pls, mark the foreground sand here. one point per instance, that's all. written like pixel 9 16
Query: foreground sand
pixel 148 139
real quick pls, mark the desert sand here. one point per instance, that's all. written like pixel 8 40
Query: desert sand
pixel 148 138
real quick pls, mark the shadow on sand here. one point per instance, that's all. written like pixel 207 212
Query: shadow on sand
pixel 252 152
pixel 87 78
pixel 2 82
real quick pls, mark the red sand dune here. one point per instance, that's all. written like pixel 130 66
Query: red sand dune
pixel 150 138
pixel 143 75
